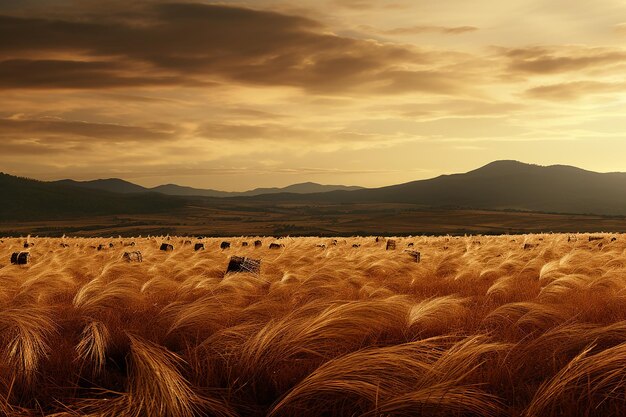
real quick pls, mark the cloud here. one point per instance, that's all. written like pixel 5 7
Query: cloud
pixel 574 90
pixel 420 29
pixel 547 60
pixel 57 131
pixel 193 44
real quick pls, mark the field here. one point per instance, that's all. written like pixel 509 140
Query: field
pixel 524 325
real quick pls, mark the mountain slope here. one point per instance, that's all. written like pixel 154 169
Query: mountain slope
pixel 114 185
pixel 26 199
pixel 117 185
pixel 502 185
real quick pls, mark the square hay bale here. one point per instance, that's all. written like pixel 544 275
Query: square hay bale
pixel 166 247
pixel 391 244
pixel 28 245
pixel 275 245
pixel 529 246
pixel 224 245
pixel 198 246
pixel 242 264
pixel 244 244
pixel 592 238
pixel 20 258
pixel 417 257
pixel 257 243
pixel 134 256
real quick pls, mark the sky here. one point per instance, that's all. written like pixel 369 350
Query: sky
pixel 235 95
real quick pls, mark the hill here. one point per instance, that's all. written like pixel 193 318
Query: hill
pixel 500 185
pixel 27 199
pixel 117 185
pixel 114 185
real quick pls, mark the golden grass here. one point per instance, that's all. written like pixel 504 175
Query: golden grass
pixel 526 326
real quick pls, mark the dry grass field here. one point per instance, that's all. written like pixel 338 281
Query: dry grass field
pixel 482 326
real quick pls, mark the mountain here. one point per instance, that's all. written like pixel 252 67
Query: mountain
pixel 302 188
pixel 501 185
pixel 117 185
pixel 27 199
pixel 114 185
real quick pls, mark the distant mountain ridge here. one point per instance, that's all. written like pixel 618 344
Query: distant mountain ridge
pixel 503 185
pixel 121 186
pixel 500 185
pixel 27 199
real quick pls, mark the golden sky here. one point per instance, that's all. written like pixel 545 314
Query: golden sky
pixel 241 94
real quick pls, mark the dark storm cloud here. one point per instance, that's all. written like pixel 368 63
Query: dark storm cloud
pixel 199 44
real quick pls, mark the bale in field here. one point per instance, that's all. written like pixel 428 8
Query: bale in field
pixel 592 238
pixel 198 246
pixel 613 239
pixel 414 254
pixel 20 258
pixel 111 244
pixel 64 245
pixel 391 244
pixel 378 239
pixel 356 245
pixel 100 247
pixel 410 245
pixel 257 243
pixel 275 245
pixel 321 246
pixel 225 245
pixel 187 242
pixel 334 242
pixel 134 256
pixel 242 264
pixel 166 247
pixel 244 243
pixel 529 246
pixel 28 245
pixel 129 244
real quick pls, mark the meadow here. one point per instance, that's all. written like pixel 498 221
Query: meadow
pixel 525 325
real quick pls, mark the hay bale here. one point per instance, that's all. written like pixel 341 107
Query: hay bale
pixel 378 239
pixel 111 244
pixel 187 242
pixel 224 245
pixel 28 245
pixel 244 244
pixel 242 264
pixel 100 247
pixel 356 245
pixel 529 246
pixel 414 254
pixel 20 258
pixel 592 238
pixel 166 247
pixel 134 256
pixel 410 245
pixel 129 244
pixel 64 245
pixel 391 244
pixel 275 245
pixel 257 243
pixel 334 242
pixel 321 246
pixel 613 239
pixel 198 246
